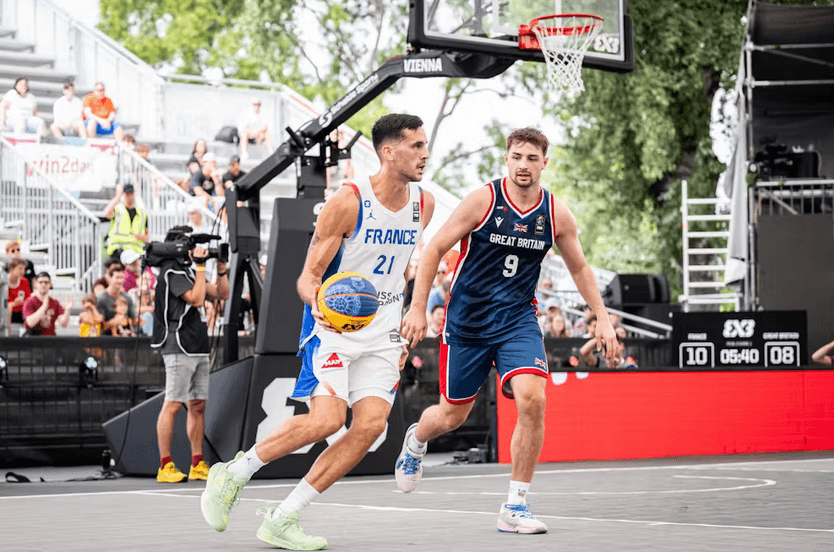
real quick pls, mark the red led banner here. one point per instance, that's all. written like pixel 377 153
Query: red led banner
pixel 649 415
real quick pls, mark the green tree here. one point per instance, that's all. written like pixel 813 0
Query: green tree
pixel 633 137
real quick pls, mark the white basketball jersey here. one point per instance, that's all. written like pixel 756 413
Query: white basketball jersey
pixel 380 249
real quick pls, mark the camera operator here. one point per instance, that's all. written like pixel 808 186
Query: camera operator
pixel 181 334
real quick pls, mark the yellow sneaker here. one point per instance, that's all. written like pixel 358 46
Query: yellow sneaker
pixel 169 474
pixel 200 471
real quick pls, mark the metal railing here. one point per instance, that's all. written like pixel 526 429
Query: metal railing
pixel 792 197
pixel 166 203
pixel 88 55
pixel 50 219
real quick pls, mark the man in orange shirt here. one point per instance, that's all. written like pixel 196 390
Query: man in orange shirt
pixel 100 114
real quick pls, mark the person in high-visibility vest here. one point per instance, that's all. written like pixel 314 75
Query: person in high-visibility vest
pixel 128 223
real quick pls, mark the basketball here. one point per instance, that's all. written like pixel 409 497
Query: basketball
pixel 348 301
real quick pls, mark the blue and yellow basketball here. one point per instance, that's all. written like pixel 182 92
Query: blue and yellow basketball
pixel 348 301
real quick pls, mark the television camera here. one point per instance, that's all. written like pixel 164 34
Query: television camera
pixel 178 245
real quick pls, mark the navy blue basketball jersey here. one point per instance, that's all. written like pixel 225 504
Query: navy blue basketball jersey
pixel 493 289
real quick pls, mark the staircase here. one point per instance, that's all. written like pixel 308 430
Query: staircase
pixel 17 59
pixel 705 237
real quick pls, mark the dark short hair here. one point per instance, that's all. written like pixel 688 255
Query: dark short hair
pixel 529 135
pixel 390 127
pixel 43 274
pixel 110 262
pixel 89 298
pixel 68 84
pixel 234 159
pixel 14 263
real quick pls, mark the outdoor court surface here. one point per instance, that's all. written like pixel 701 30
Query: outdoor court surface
pixel 781 502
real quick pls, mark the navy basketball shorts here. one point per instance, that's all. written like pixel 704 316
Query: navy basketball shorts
pixel 464 368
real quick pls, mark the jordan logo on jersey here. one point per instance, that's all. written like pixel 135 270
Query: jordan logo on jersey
pixel 333 362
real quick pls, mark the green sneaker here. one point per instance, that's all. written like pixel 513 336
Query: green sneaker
pixel 283 531
pixel 221 495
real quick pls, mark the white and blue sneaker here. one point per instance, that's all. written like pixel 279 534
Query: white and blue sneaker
pixel 408 469
pixel 517 518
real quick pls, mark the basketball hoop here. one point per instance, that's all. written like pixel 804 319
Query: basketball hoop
pixel 563 39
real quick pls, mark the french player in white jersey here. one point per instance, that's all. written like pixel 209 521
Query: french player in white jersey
pixel 505 229
pixel 371 227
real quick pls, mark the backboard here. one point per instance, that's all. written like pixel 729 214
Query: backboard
pixel 491 27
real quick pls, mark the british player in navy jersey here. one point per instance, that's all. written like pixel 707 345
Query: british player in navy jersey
pixel 359 369
pixel 505 230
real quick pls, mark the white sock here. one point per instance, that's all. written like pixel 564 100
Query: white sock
pixel 299 498
pixel 518 492
pixel 416 447
pixel 246 467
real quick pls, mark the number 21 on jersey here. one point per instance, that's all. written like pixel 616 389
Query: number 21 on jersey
pixel 380 267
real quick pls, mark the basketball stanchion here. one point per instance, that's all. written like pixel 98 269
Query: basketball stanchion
pixel 563 39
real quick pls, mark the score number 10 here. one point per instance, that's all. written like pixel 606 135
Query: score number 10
pixel 697 353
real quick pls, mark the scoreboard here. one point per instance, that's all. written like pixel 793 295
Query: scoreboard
pixel 765 339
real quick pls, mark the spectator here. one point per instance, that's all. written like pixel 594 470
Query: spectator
pixel 590 325
pixel 551 308
pixel 205 183
pixel 131 261
pixel 90 320
pixel 128 223
pixel 233 174
pixel 41 311
pixel 100 114
pixel 195 162
pixel 19 290
pixel 106 304
pixel 253 127
pixel 19 110
pixel 13 252
pixel 102 283
pixel 435 321
pixel 195 218
pixel 556 326
pixel 594 358
pixel 146 304
pixel 123 328
pixel 543 296
pixel 68 114
pixel 823 356
pixel 439 295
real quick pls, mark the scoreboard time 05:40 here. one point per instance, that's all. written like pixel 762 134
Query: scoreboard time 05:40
pixel 771 340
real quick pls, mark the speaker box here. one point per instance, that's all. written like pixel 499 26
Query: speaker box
pixel 636 289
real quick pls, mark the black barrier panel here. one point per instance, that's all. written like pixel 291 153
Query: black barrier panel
pixel 55 393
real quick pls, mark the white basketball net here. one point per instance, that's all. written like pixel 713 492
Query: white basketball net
pixel 564 41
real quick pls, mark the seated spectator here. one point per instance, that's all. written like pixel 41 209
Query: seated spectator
pixel 106 304
pixel 556 327
pixel 544 284
pixel 68 114
pixel 90 320
pixel 100 114
pixel 41 311
pixel 439 296
pixel 590 325
pixel 19 110
pixel 19 290
pixel 13 252
pixel 195 162
pixel 233 174
pixel 253 128
pixel 143 295
pixel 435 321
pixel 196 220
pixel 123 327
pixel 591 357
pixel 823 356
pixel 132 263
pixel 205 183
pixel 102 283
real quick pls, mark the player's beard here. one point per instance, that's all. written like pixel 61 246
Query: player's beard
pixel 529 184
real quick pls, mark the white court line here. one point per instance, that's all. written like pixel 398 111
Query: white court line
pixel 571 518
pixel 761 483
pixel 721 465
